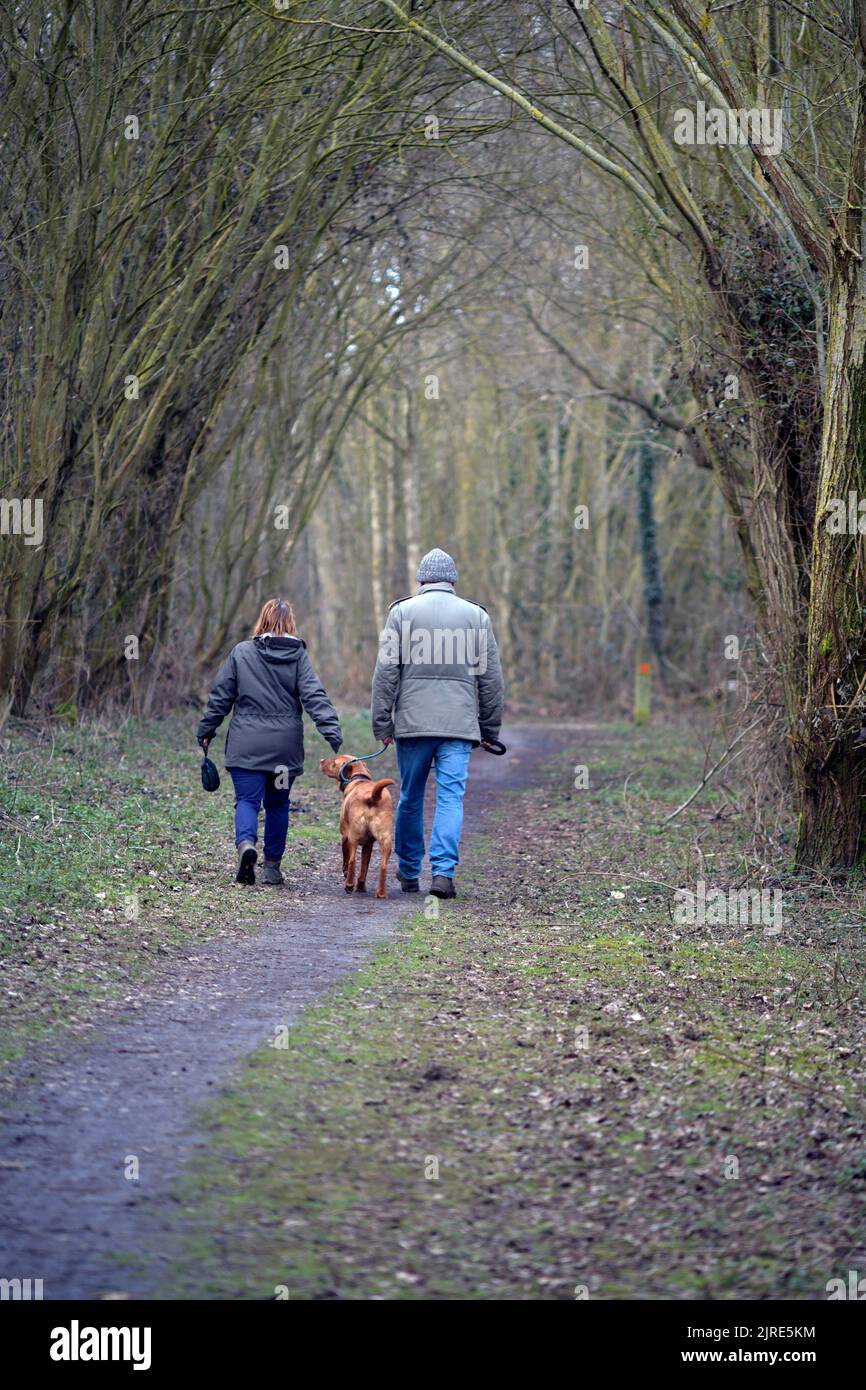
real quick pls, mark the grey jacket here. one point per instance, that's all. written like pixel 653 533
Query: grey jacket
pixel 438 670
pixel 269 681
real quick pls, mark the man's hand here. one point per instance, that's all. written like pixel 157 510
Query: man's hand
pixel 493 745
pixel 203 744
pixel 387 741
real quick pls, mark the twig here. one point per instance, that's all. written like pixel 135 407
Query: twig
pixel 699 788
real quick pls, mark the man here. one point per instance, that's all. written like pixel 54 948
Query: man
pixel 438 691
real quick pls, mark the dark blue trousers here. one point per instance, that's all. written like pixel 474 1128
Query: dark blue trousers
pixel 251 789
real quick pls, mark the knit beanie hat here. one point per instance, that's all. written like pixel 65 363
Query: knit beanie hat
pixel 437 566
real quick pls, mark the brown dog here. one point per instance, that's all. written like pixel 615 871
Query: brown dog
pixel 367 814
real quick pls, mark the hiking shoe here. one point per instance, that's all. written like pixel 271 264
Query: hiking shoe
pixel 246 862
pixel 443 887
pixel 272 873
pixel 409 885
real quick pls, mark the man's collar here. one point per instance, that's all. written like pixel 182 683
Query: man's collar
pixel 442 585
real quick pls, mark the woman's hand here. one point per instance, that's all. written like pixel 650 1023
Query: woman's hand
pixel 203 744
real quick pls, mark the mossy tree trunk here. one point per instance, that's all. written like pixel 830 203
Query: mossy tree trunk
pixel 830 760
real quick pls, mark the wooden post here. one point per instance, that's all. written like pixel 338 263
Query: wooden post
pixel 642 693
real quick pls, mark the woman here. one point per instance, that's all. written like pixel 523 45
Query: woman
pixel 270 681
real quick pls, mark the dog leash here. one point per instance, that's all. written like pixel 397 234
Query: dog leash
pixel 494 746
pixel 344 779
pixel 491 745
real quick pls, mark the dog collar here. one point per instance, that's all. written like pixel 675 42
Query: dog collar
pixel 356 776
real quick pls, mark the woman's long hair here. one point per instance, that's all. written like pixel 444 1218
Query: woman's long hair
pixel 276 618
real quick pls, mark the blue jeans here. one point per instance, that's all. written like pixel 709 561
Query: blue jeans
pixel 450 759
pixel 251 788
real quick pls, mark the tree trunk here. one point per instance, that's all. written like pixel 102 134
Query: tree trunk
pixel 830 761
pixel 410 497
pixel 649 552
pixel 832 799
pixel 375 523
pixel 552 555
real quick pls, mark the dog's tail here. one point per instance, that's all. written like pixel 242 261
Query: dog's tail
pixel 378 787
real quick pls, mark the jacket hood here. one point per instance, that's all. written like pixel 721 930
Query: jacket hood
pixel 279 649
